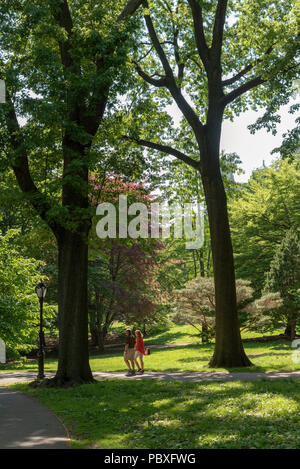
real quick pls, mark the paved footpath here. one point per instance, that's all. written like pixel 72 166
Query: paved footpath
pixel 203 376
pixel 25 423
pixel 20 377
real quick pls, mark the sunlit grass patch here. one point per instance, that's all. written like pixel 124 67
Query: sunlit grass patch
pixel 265 356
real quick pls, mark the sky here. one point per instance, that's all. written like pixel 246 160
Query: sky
pixel 254 148
pixel 251 148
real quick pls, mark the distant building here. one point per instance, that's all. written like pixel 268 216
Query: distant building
pixel 230 176
pixel 260 168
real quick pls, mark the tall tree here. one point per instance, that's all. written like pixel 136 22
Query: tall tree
pixel 121 271
pixel 120 281
pixel 60 59
pixel 261 214
pixel 180 184
pixel 284 276
pixel 214 59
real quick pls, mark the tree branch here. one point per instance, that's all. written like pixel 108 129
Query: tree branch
pixel 218 30
pixel 61 14
pixel 253 82
pixel 149 79
pixel 20 166
pixel 157 45
pixel 98 102
pixel 181 102
pixel 180 64
pixel 247 69
pixel 130 8
pixel 202 47
pixel 236 77
pixel 242 89
pixel 165 149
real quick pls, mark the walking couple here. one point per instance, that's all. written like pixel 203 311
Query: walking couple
pixel 134 351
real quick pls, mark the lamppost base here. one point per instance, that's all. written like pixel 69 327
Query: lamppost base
pixel 38 382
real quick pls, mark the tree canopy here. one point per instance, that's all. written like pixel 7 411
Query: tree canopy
pixel 19 307
pixel 261 214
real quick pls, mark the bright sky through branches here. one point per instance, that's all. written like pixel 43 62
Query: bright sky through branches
pixel 254 148
pixel 251 148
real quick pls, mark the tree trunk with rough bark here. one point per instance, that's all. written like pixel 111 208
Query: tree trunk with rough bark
pixel 290 330
pixel 102 333
pixel 73 359
pixel 229 351
pixel 93 328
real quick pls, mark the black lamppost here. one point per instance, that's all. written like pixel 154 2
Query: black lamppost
pixel 41 290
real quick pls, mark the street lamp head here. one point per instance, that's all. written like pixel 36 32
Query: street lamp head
pixel 41 290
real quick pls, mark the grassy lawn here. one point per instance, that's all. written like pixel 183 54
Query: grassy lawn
pixel 177 333
pixel 269 356
pixel 266 356
pixel 169 415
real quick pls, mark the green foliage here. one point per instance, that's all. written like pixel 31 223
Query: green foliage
pixel 260 39
pixel 45 93
pixel 122 271
pixel 19 306
pixel 284 276
pixel 284 270
pixel 180 184
pixel 195 305
pixel 262 212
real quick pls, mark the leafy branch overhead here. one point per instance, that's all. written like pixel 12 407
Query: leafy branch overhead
pixel 78 90
pixel 62 60
pixel 204 55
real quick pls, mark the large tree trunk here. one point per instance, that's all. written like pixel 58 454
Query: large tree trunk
pixel 102 333
pixel 229 351
pixel 290 330
pixel 73 360
pixel 93 328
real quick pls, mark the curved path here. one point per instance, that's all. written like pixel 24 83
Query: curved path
pixel 25 423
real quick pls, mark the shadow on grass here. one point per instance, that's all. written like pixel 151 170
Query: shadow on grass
pixel 166 337
pixel 169 415
pixel 32 365
pixel 268 345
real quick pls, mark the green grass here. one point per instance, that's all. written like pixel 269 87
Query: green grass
pixel 266 356
pixel 271 356
pixel 177 333
pixel 169 415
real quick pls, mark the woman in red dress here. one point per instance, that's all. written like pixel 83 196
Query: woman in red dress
pixel 139 351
